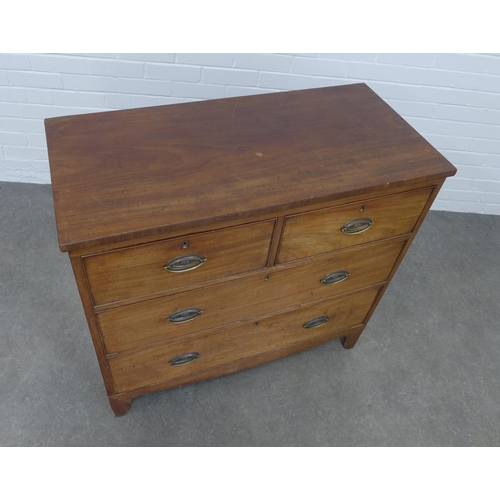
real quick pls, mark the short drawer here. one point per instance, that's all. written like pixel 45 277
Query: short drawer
pixel 352 224
pixel 235 342
pixel 159 319
pixel 142 270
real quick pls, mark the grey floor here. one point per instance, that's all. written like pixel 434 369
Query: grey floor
pixel 426 372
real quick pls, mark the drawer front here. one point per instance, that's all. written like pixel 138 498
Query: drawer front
pixel 140 271
pixel 322 230
pixel 319 277
pixel 234 342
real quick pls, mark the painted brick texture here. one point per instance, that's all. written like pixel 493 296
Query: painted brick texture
pixel 453 100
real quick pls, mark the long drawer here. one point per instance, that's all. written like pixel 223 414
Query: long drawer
pixel 234 342
pixel 188 312
pixel 352 224
pixel 156 267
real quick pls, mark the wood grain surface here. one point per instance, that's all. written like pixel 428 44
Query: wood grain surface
pixel 147 322
pixel 320 231
pixel 260 186
pixel 139 271
pixel 234 342
pixel 126 174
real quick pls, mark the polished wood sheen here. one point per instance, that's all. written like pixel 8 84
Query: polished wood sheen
pixel 250 197
pixel 121 402
pixel 123 174
pixel 140 271
pixel 320 231
pixel 147 322
pixel 150 366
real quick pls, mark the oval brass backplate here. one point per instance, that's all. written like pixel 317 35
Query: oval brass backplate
pixel 184 359
pixel 315 322
pixel 335 277
pixel 357 226
pixel 185 315
pixel 184 263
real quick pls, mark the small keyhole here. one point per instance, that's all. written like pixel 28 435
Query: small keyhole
pixel 256 324
pixel 362 209
pixel 267 278
pixel 185 244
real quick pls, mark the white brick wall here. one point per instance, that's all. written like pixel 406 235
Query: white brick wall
pixel 453 100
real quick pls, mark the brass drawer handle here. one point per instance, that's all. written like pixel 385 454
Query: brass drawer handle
pixel 357 226
pixel 184 263
pixel 336 277
pixel 185 315
pixel 314 323
pixel 184 359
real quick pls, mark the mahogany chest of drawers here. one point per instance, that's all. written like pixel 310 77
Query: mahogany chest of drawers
pixel 213 236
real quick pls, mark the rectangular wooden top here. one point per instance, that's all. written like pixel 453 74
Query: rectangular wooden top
pixel 118 175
